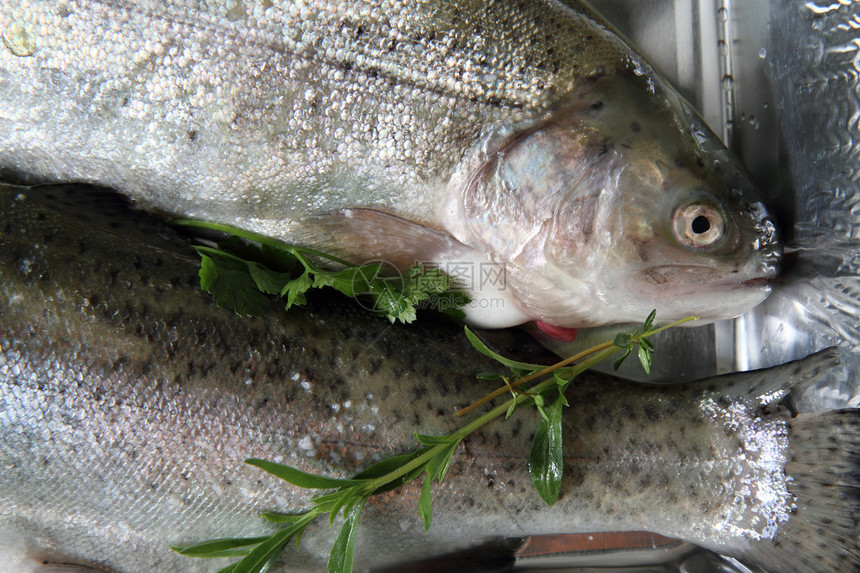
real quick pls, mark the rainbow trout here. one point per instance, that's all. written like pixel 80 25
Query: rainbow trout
pixel 521 146
pixel 128 402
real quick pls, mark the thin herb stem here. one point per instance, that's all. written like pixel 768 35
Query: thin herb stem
pixel 482 420
pixel 261 239
pixel 548 370
pixel 219 252
pixel 668 326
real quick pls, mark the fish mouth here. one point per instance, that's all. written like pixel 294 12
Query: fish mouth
pixel 694 276
pixel 761 282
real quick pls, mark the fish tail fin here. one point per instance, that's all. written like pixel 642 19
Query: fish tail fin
pixel 770 385
pixel 823 531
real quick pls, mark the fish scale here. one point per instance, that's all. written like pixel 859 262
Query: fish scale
pixel 449 133
pixel 128 401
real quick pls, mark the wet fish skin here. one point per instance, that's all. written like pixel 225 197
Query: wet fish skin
pixel 128 400
pixel 438 113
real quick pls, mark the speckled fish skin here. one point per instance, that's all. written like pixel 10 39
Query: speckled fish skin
pixel 128 401
pixel 479 120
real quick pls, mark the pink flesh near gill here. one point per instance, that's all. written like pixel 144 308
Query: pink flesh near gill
pixel 557 332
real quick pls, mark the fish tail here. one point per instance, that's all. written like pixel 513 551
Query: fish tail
pixel 824 478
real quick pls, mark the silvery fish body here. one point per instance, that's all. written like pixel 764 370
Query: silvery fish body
pixel 128 402
pixel 472 135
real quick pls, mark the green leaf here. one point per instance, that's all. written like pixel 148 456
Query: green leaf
pixel 545 459
pixel 281 517
pixel 425 500
pixel 450 304
pixel 386 466
pixel 226 547
pixel 348 498
pixel 564 375
pixel 542 411
pixel 343 551
pixel 623 340
pixel 295 290
pixel 298 477
pixel 618 361
pixel 262 554
pixel 442 461
pixel 389 465
pixel 488 376
pixel 231 285
pixel 649 322
pixel 329 502
pixel 280 259
pixel 483 349
pixel 511 409
pixel 267 280
pixel 436 468
pixel 645 358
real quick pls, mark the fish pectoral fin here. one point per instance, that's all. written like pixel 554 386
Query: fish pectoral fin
pixel 367 235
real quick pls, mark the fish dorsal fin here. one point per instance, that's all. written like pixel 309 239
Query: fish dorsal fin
pixel 768 386
pixel 365 235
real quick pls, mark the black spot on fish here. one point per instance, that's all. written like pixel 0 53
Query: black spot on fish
pixel 651 413
pixel 605 147
pixel 516 428
pixel 597 105
pixel 192 135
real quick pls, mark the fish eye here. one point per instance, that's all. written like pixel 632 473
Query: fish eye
pixel 699 225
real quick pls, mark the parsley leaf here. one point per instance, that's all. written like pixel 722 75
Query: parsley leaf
pixel 245 267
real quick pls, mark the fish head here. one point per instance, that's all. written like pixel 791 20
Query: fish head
pixel 618 202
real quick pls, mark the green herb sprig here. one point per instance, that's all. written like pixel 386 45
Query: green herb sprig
pixel 242 272
pixel 431 459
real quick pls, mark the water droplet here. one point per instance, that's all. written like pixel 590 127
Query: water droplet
pixel 723 14
pixel 762 53
pixel 728 82
pixel 18 40
pixel 754 122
